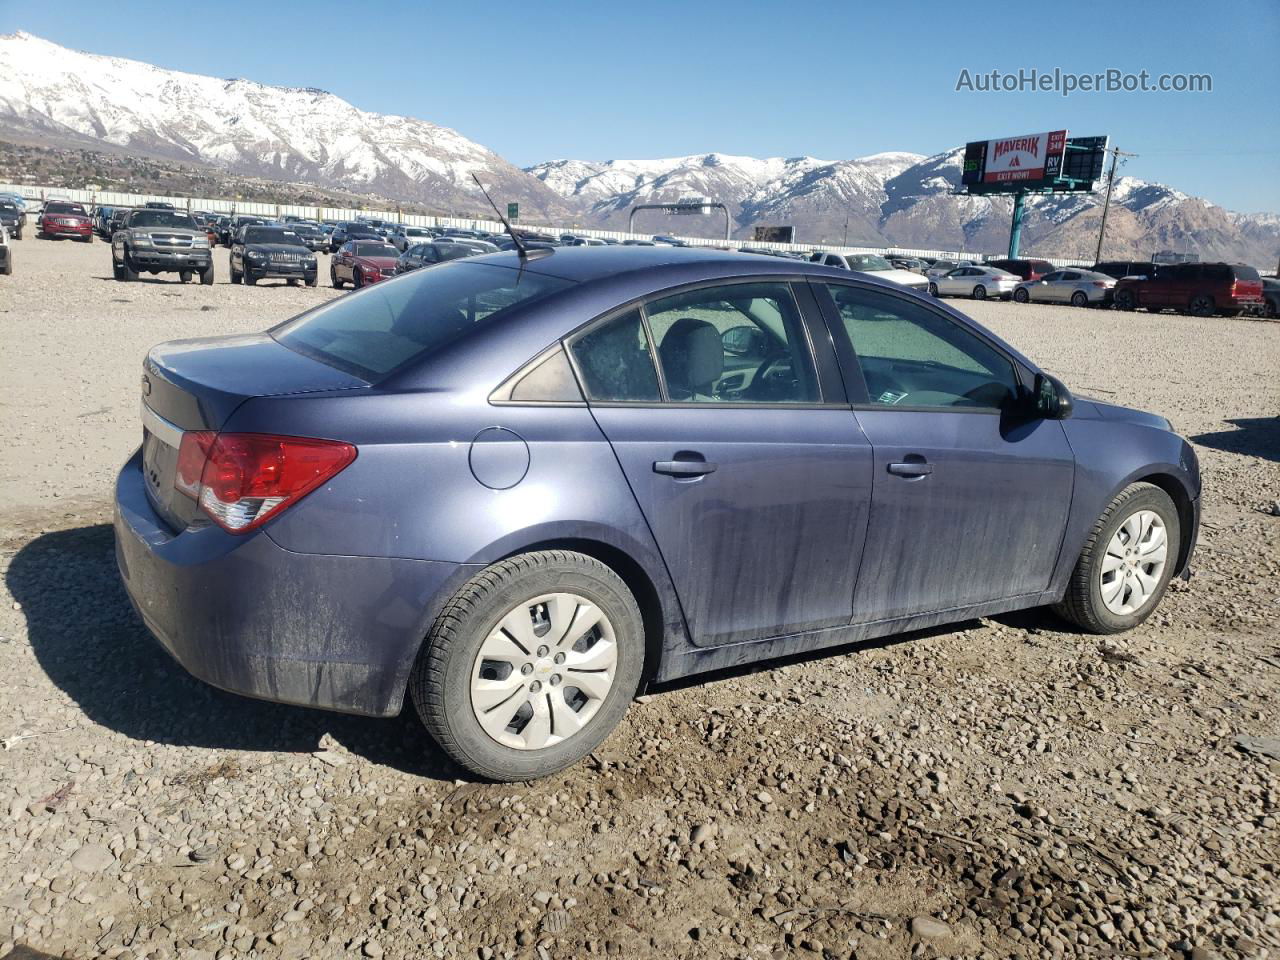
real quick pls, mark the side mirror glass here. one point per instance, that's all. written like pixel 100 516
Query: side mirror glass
pixel 1051 399
pixel 743 341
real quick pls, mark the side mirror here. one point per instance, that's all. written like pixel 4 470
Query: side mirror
pixel 743 341
pixel 1051 400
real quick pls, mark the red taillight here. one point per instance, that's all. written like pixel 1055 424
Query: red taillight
pixel 243 479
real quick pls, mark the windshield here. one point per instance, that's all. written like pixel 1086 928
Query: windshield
pixel 161 218
pixel 867 262
pixel 388 325
pixel 7 207
pixel 271 235
pixel 376 250
pixel 65 208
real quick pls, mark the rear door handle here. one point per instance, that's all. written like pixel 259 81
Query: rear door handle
pixel 914 470
pixel 684 467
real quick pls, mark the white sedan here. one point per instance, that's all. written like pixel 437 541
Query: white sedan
pixel 874 265
pixel 974 281
pixel 1080 288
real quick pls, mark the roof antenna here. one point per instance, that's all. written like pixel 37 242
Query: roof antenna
pixel 521 249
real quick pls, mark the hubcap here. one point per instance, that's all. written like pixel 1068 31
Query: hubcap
pixel 1134 562
pixel 544 671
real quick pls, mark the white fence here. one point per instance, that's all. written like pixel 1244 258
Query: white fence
pixel 277 210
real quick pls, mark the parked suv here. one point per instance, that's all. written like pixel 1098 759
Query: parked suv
pixel 161 241
pixel 271 251
pixel 1027 269
pixel 64 218
pixel 1202 289
pixel 12 218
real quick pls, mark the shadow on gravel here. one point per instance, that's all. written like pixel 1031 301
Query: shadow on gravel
pixel 1254 437
pixel 92 645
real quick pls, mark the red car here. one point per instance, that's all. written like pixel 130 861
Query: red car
pixel 361 262
pixel 62 218
pixel 1027 269
pixel 1202 289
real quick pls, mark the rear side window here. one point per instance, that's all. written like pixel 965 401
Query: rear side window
pixel 1246 273
pixel 615 361
pixel 372 333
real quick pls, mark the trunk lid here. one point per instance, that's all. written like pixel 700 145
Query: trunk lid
pixel 192 385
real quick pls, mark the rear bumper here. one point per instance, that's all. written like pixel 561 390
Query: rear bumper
pixel 244 614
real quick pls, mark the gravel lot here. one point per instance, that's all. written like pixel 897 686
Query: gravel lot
pixel 1004 788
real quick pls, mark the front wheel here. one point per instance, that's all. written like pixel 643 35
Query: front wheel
pixel 1125 300
pixel 1126 564
pixel 933 289
pixel 357 279
pixel 531 665
pixel 1020 295
pixel 206 276
pixel 184 276
pixel 333 278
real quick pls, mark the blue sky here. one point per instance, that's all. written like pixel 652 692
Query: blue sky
pixel 598 80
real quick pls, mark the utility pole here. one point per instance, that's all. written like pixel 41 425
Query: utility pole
pixel 845 241
pixel 1116 154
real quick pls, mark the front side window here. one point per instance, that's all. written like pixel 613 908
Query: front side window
pixel 738 343
pixel 913 357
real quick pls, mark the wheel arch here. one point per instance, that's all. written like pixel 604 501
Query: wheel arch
pixel 638 581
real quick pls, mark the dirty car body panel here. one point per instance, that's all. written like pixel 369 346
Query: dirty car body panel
pixel 806 534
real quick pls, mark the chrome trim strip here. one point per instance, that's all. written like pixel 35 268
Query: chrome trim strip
pixel 160 428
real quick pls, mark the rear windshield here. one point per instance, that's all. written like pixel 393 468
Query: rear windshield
pixel 386 326
pixel 376 250
pixel 161 218
pixel 867 263
pixel 270 235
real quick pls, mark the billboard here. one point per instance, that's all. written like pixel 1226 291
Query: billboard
pixel 785 234
pixel 1030 157
pixel 1084 158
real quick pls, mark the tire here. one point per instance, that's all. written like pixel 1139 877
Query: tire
pixel 1201 305
pixel 357 279
pixel 979 292
pixel 1084 603
pixel 117 271
pixel 126 267
pixel 1079 299
pixel 1271 310
pixel 248 279
pixel 1020 295
pixel 333 278
pixel 235 277
pixel 1125 300
pixel 311 281
pixel 184 276
pixel 206 276
pixel 933 289
pixel 8 267
pixel 450 663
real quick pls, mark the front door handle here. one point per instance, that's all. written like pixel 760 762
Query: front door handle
pixel 913 470
pixel 685 465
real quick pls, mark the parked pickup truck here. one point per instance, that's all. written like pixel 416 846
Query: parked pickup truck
pixel 161 241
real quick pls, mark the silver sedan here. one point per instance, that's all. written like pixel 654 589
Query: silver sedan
pixel 1080 288
pixel 974 281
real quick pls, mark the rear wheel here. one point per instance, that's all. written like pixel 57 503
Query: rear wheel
pixel 530 665
pixel 8 266
pixel 235 276
pixel 1271 309
pixel 333 278
pixel 1079 299
pixel 1125 300
pixel 1126 564
pixel 1201 305
pixel 979 292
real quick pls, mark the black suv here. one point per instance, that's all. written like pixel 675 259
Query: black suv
pixel 12 218
pixel 259 252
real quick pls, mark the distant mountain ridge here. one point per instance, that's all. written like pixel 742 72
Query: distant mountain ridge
pixel 52 95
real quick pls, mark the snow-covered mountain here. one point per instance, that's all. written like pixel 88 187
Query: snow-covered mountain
pixel 907 200
pixel 63 97
pixel 78 99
